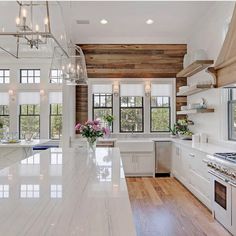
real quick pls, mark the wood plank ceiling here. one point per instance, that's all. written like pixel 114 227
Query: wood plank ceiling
pixel 134 61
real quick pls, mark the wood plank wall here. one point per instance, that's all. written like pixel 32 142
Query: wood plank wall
pixel 134 61
pixel 81 103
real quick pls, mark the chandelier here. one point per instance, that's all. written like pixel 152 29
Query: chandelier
pixel 33 29
pixel 72 68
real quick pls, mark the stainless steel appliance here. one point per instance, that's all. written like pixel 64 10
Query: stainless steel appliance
pixel 222 170
pixel 162 158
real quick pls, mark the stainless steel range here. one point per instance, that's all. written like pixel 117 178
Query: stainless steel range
pixel 222 170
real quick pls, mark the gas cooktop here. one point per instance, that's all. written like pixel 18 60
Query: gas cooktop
pixel 228 156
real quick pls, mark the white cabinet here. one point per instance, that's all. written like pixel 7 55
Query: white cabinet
pixel 138 164
pixel 188 167
pixel 137 157
pixel 145 163
pixel 128 162
pixel 176 160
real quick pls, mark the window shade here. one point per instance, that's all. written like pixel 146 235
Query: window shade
pixel 4 99
pixel 101 88
pixel 29 98
pixel 161 90
pixel 55 97
pixel 131 90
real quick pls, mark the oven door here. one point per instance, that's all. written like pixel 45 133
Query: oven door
pixel 221 199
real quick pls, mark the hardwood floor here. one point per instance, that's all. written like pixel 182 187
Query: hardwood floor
pixel 163 207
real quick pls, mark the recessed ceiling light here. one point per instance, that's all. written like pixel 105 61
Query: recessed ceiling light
pixel 103 21
pixel 149 21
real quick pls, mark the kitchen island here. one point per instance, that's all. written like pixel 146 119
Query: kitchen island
pixel 13 152
pixel 66 192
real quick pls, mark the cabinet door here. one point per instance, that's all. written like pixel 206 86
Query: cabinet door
pixel 128 163
pixel 144 163
pixel 187 156
pixel 200 187
pixel 175 164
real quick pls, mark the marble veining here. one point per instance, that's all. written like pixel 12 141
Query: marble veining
pixel 66 192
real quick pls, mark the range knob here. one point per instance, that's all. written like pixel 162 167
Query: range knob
pixel 233 174
pixel 209 164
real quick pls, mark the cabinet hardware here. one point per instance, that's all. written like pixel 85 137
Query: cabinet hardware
pixel 191 155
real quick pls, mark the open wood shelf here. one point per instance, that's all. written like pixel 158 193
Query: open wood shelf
pixel 195 89
pixel 194 68
pixel 195 111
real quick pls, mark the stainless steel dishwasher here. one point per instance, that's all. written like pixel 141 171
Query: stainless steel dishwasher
pixel 162 158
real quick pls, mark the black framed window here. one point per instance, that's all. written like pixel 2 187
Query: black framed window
pixel 4 76
pixel 131 114
pixel 102 105
pixel 29 120
pixel 30 76
pixel 55 76
pixel 160 114
pixel 55 121
pixel 4 117
pixel 232 114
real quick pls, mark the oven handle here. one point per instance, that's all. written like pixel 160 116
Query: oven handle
pixel 218 176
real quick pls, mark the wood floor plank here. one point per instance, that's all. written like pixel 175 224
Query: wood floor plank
pixel 163 206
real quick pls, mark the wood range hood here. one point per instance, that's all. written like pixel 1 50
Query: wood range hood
pixel 224 71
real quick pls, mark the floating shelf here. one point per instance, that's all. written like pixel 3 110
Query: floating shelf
pixel 195 89
pixel 195 111
pixel 194 68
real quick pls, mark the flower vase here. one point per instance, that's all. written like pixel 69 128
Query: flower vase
pixel 92 142
pixel 109 129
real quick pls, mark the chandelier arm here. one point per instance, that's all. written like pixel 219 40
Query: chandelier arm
pixel 59 45
pixel 5 50
pixel 49 23
pixel 20 4
pixel 18 38
pixel 21 34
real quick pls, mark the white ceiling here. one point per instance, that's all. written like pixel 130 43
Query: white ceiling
pixel 173 21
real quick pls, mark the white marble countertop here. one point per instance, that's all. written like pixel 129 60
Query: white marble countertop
pixel 23 143
pixel 209 148
pixel 66 192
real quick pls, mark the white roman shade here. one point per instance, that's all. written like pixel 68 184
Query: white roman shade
pixel 4 99
pixel 55 97
pixel 101 88
pixel 30 98
pixel 132 90
pixel 161 90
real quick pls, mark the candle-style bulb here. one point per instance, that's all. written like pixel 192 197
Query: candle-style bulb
pixel 45 21
pixel 24 13
pixel 17 21
pixel 37 28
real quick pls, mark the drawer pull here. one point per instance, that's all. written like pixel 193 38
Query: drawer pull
pixel 191 155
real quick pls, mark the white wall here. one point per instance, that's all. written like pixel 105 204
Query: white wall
pixel 208 34
pixel 15 65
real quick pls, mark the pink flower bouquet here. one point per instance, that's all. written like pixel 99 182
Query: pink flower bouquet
pixel 92 130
